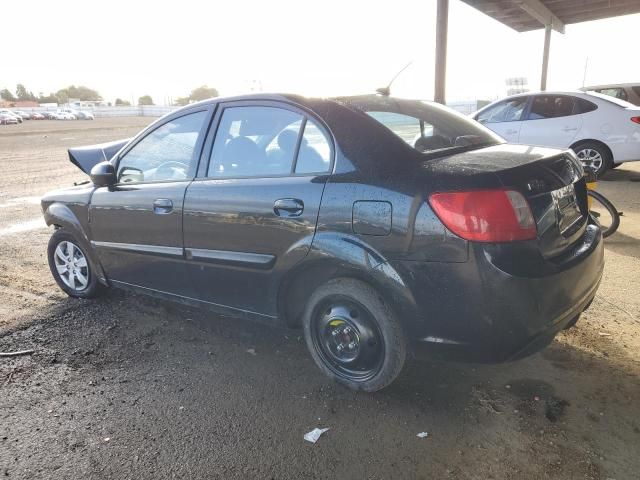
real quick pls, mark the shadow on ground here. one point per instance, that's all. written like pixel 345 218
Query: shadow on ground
pixel 131 387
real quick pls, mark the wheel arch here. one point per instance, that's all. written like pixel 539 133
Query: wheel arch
pixel 345 257
pixel 593 140
pixel 61 216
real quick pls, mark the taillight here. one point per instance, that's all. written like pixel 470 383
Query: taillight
pixel 635 119
pixel 485 215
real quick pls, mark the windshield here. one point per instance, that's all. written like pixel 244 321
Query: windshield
pixel 428 127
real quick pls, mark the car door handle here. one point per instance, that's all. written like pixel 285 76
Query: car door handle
pixel 162 206
pixel 569 129
pixel 288 207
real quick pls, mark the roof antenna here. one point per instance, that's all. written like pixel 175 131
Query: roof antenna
pixel 386 91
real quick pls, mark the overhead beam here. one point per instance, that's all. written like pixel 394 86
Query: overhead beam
pixel 540 12
pixel 442 19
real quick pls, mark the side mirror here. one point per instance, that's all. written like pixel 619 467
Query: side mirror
pixel 103 174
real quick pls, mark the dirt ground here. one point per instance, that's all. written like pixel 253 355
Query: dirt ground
pixel 130 387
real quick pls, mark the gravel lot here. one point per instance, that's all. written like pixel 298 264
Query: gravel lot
pixel 130 387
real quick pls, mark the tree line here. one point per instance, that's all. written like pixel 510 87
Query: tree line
pixel 87 94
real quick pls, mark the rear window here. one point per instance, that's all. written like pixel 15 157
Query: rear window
pixel 425 126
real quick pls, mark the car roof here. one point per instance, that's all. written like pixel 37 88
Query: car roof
pixel 611 85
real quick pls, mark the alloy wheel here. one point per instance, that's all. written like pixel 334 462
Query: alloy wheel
pixel 590 158
pixel 71 265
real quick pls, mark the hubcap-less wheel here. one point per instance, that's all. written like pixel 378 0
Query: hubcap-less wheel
pixel 348 340
pixel 71 265
pixel 590 158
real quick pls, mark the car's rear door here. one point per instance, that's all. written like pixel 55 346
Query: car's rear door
pixel 551 121
pixel 136 226
pixel 251 215
pixel 505 117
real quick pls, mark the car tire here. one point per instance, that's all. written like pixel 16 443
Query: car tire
pixel 353 335
pixel 595 155
pixel 71 267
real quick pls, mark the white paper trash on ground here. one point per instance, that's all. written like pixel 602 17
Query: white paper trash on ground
pixel 314 434
pixel 422 435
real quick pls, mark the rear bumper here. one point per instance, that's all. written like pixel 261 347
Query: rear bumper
pixel 476 311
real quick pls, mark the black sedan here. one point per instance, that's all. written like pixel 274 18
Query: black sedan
pixel 383 227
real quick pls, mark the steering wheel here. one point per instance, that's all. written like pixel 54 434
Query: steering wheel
pixel 168 169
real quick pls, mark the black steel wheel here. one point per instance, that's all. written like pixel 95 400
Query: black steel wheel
pixel 353 336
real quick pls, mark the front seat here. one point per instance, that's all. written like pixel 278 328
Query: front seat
pixel 241 156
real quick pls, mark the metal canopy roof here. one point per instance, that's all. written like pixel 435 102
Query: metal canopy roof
pixel 526 15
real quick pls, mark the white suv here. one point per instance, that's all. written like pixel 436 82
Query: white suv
pixel 602 130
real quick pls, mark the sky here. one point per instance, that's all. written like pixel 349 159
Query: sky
pixel 130 48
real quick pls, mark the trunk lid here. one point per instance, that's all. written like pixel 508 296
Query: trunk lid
pixel 86 157
pixel 550 179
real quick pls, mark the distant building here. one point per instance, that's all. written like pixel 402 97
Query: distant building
pixel 25 104
pixel 18 104
pixel 77 103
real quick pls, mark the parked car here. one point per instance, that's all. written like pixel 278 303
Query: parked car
pixel 81 115
pixel 624 91
pixel 65 115
pixel 37 116
pixel 22 115
pixel 6 119
pixel 325 214
pixel 603 131
pixel 6 111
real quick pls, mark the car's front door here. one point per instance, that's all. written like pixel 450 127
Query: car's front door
pixel 136 226
pixel 505 117
pixel 551 121
pixel 252 213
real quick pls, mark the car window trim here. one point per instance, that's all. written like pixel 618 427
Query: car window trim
pixel 207 148
pixel 206 124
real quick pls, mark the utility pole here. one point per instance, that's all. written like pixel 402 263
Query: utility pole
pixel 442 20
pixel 545 57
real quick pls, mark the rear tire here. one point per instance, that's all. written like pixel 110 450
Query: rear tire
pixel 594 155
pixel 353 335
pixel 71 267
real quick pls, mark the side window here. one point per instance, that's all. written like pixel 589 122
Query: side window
pixel 255 141
pixel 584 106
pixel 550 106
pixel 314 155
pixel 614 92
pixel 167 153
pixel 507 111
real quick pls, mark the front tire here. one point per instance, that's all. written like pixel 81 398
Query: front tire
pixel 594 155
pixel 353 336
pixel 71 267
